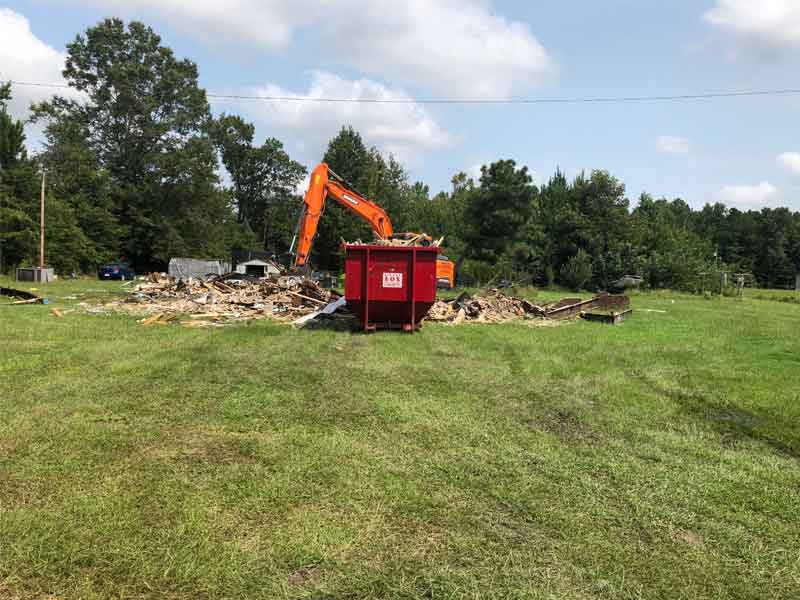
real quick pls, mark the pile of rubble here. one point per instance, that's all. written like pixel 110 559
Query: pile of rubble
pixel 161 300
pixel 494 307
pixel 401 240
pixel 224 299
pixel 497 307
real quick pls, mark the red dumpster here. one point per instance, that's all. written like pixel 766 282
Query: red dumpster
pixel 390 287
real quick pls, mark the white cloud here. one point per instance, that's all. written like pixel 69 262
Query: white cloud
pixel 748 196
pixel 302 187
pixel 475 171
pixel 265 24
pixel 453 47
pixel 24 57
pixel 450 47
pixel 758 24
pixel 791 161
pixel 673 145
pixel 405 129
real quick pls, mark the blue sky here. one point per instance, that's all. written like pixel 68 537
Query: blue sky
pixel 743 151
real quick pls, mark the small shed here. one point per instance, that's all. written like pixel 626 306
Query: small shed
pixel 257 267
pixel 197 267
pixel 35 274
pixel 256 263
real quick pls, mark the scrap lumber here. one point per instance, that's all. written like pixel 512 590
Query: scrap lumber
pixel 497 307
pixel 150 320
pixel 610 318
pixel 413 239
pixel 576 308
pixel 225 299
pixel 307 298
pixel 24 297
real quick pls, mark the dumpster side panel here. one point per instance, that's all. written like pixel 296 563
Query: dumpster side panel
pixel 390 287
pixel 425 279
pixel 355 269
pixel 389 276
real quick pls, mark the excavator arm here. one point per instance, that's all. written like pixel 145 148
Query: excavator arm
pixel 325 183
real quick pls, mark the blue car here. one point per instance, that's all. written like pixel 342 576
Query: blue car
pixel 118 271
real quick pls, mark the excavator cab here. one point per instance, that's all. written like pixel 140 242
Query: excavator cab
pixel 445 273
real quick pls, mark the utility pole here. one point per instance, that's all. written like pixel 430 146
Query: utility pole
pixel 41 223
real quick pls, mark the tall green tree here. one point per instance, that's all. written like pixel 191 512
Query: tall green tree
pixel 12 133
pixel 85 193
pixel 777 261
pixel 144 119
pixel 499 210
pixel 349 158
pixel 668 251
pixel 264 181
pixel 18 189
pixel 605 230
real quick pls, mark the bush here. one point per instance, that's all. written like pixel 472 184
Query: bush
pixel 550 276
pixel 478 271
pixel 577 271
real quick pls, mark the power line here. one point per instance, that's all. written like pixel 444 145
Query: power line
pixel 574 100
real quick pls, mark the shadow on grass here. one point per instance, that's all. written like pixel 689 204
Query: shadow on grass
pixel 731 423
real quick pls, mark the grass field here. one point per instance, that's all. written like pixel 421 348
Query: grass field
pixel 658 459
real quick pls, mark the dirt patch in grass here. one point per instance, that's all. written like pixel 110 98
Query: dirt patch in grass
pixel 569 410
pixel 688 537
pixel 6 593
pixel 569 425
pixel 305 576
pixel 202 448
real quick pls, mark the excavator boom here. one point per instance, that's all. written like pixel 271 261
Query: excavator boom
pixel 324 183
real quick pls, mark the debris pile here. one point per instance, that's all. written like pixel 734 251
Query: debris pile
pixel 295 299
pixel 225 299
pixel 401 240
pixel 497 307
pixel 494 307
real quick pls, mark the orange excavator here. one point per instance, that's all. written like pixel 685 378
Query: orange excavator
pixel 325 183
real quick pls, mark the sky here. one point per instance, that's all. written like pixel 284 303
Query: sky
pixel 742 151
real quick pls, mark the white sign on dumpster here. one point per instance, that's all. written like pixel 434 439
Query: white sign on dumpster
pixel 393 280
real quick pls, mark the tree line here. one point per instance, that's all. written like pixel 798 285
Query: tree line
pixel 133 161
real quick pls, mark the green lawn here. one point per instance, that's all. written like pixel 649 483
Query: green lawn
pixel 657 459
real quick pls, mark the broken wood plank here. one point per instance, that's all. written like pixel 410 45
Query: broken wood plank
pixel 30 301
pixel 223 287
pixel 309 298
pixel 150 320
